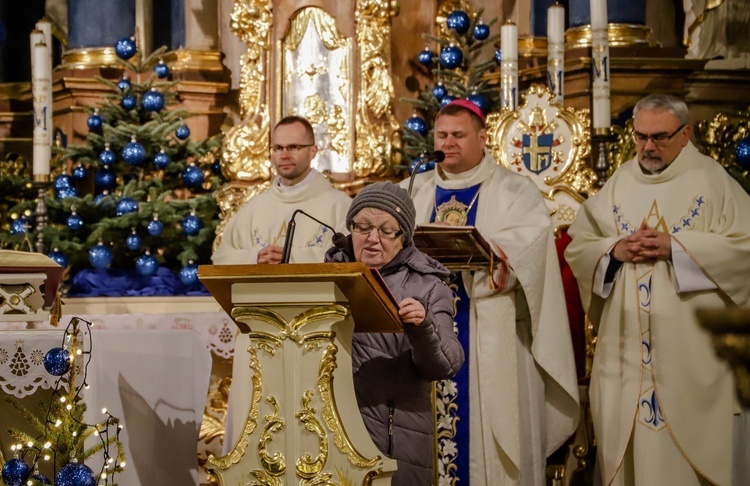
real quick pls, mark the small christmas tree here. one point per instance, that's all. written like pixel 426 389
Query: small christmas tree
pixel 458 72
pixel 132 211
pixel 62 433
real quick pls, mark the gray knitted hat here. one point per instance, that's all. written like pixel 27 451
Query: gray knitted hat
pixel 390 198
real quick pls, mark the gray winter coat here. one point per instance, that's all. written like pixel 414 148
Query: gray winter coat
pixel 393 373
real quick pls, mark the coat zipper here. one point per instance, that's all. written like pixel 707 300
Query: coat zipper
pixel 390 426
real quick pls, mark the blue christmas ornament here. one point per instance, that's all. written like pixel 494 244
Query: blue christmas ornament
pixel 94 122
pixel 104 178
pixel 128 102
pixel 126 205
pixel 189 274
pixel 65 193
pixel 459 21
pixel 445 100
pixel 102 198
pixel 417 124
pixel 16 472
pixel 133 242
pixel 41 478
pixel 123 84
pixel 63 180
pixel 481 31
pixel 58 257
pixel 742 152
pixel 192 176
pixel 161 160
pixel 146 265
pixel 155 227
pixel 480 101
pixel 79 172
pixel 152 100
pixel 425 57
pixel 100 256
pixel 451 57
pixel 182 132
pixel 19 226
pixel 75 474
pixel 439 91
pixel 499 57
pixel 57 361
pixel 192 224
pixel 75 222
pixel 107 157
pixel 161 70
pixel 216 167
pixel 426 167
pixel 133 152
pixel 125 48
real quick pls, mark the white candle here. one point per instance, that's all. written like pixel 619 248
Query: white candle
pixel 42 94
pixel 555 50
pixel 45 27
pixel 509 65
pixel 600 65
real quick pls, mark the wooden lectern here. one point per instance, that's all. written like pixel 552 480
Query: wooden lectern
pixel 302 424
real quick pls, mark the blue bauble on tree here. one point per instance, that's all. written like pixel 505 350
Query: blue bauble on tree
pixel 445 100
pixel 75 474
pixel 451 57
pixel 107 157
pixel 100 256
pixel 425 57
pixel 439 91
pixel 133 241
pixel 65 193
pixel 499 57
pixel 742 152
pixel 126 205
pixel 58 257
pixel 155 227
pixel 16 472
pixel 18 226
pixel 192 224
pixel 133 152
pixel 63 180
pixel 192 176
pixel 428 166
pixel 104 178
pixel 182 132
pixel 161 70
pixel 41 479
pixel 216 167
pixel 146 265
pixel 95 122
pixel 161 160
pixel 79 172
pixel 417 124
pixel 480 101
pixel 128 102
pixel 123 84
pixel 189 274
pixel 125 48
pixel 152 100
pixel 57 361
pixel 481 31
pixel 75 222
pixel 459 21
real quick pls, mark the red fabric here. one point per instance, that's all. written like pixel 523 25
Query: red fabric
pixel 576 316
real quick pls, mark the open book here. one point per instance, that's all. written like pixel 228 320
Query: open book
pixel 456 247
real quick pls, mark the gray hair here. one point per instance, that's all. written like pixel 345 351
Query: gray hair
pixel 659 102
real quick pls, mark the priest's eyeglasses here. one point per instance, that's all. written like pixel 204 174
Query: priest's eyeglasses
pixel 658 139
pixel 366 229
pixel 291 148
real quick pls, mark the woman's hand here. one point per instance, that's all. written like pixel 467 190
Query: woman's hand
pixel 411 311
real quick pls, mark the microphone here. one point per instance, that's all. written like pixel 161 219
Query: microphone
pixel 436 156
pixel 339 240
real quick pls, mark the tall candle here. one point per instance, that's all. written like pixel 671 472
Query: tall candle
pixel 555 50
pixel 600 65
pixel 41 93
pixel 45 27
pixel 509 65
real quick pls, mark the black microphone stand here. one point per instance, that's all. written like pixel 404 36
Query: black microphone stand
pixel 438 156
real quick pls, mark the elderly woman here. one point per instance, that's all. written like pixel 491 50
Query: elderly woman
pixel 393 372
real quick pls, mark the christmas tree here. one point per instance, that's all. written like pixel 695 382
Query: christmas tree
pixel 16 197
pixel 131 210
pixel 458 72
pixel 61 443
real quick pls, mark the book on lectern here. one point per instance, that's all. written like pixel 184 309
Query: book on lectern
pixel 456 247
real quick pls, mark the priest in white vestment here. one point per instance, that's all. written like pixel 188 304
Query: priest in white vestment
pixel 515 401
pixel 668 233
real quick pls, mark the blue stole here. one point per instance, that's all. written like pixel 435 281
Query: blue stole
pixel 453 395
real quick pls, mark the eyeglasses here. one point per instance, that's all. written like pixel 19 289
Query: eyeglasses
pixel 366 229
pixel 291 148
pixel 659 139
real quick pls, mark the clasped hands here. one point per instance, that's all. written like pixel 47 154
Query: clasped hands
pixel 644 246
